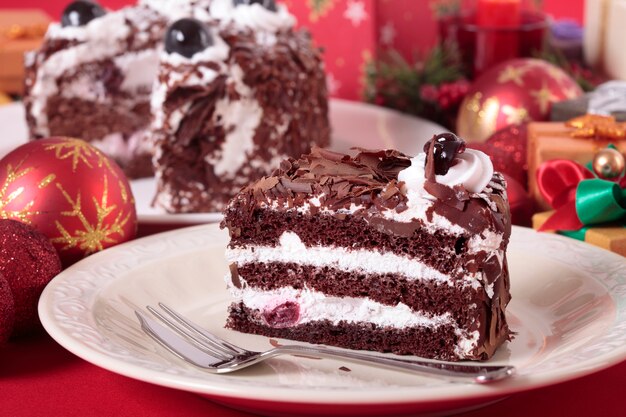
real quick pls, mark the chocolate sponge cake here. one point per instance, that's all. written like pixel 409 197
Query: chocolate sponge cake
pixel 378 252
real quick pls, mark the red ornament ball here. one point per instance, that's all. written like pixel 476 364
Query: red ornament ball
pixel 69 191
pixel 7 310
pixel 28 261
pixel 513 92
pixel 507 149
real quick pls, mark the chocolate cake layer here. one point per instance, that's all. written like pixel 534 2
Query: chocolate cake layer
pixel 439 250
pixel 390 289
pixel 435 343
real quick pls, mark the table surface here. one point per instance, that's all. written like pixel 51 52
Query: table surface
pixel 39 377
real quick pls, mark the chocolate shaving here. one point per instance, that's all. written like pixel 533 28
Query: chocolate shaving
pixel 429 169
pixel 444 194
pixel 369 182
pixel 234 275
pixel 297 186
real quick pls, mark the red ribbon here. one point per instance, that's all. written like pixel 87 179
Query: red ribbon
pixel 557 181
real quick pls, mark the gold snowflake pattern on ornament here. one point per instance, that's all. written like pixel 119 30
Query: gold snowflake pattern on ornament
pixel 543 98
pixel 80 152
pixel 25 214
pixel 93 236
pixel 511 73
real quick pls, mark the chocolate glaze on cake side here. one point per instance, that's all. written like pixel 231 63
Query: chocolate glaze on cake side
pixel 335 236
pixel 228 115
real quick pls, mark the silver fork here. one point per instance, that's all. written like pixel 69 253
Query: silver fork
pixel 203 349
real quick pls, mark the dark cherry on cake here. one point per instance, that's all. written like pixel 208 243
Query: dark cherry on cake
pixel 268 4
pixel 81 12
pixel 187 37
pixel 447 147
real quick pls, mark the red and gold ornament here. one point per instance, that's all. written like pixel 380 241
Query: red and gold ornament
pixel 28 261
pixel 507 149
pixel 511 93
pixel 69 191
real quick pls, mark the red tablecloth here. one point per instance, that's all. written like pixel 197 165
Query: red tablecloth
pixel 40 378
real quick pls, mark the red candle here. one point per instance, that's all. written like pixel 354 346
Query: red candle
pixel 496 38
pixel 498 13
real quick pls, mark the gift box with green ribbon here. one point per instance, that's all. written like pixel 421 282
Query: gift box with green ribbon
pixel 589 202
pixel 576 140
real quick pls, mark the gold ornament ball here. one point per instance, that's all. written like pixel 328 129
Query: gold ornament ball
pixel 609 164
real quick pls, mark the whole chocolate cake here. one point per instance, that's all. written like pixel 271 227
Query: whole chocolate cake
pixel 378 251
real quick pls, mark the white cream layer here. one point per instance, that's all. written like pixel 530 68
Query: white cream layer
pixel 292 249
pixel 177 9
pixel 316 306
pixel 240 119
pixel 254 16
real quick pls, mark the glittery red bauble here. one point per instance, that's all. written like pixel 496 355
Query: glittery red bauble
pixel 28 261
pixel 508 151
pixel 511 93
pixel 7 310
pixel 71 192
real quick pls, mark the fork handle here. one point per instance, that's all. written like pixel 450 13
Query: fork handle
pixel 461 372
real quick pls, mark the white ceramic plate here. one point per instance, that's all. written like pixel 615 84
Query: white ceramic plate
pixel 353 124
pixel 568 309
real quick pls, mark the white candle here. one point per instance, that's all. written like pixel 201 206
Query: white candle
pixel 614 48
pixel 594 34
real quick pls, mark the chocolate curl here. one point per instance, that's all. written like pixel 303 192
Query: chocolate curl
pixel 429 169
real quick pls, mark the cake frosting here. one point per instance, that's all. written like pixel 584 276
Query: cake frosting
pixel 425 254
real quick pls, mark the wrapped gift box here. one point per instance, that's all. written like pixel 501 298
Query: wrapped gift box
pixel 610 237
pixel 555 140
pixel 20 31
pixel 354 32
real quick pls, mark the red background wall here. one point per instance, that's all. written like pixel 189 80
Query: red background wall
pixel 560 9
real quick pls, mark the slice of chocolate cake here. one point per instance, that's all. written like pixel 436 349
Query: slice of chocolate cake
pixel 234 97
pixel 378 252
pixel 92 79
